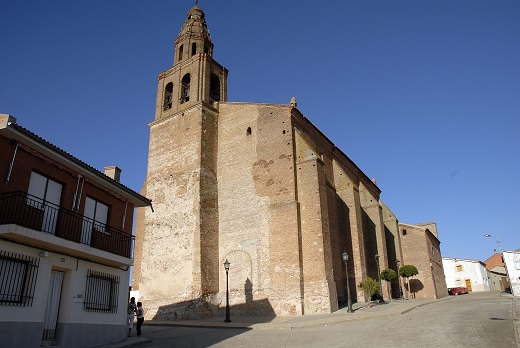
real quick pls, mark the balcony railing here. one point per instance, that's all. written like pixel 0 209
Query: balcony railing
pixel 28 211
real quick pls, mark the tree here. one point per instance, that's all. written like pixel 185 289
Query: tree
pixel 370 286
pixel 408 271
pixel 388 275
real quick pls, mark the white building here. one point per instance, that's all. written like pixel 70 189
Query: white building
pixel 471 274
pixel 512 262
pixel 66 245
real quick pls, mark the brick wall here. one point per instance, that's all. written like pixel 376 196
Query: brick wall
pixel 27 161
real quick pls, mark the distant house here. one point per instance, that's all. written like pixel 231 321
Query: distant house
pixel 66 245
pixel 471 274
pixel 497 272
pixel 512 264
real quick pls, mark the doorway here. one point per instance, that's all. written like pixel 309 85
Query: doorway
pixel 468 284
pixel 53 305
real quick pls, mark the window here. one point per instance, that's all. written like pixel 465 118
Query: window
pixel 193 49
pixel 404 232
pixel 248 131
pixel 214 88
pixel 459 268
pixel 43 189
pixel 45 194
pixel 94 219
pixel 185 92
pixel 101 293
pixel 98 212
pixel 18 275
pixel 181 48
pixel 168 93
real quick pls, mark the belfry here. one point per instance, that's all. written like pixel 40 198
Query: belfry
pixel 260 186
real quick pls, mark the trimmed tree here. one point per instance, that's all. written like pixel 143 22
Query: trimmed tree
pixel 388 275
pixel 370 286
pixel 408 271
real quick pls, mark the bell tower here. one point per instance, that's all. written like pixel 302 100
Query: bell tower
pixel 176 253
pixel 195 76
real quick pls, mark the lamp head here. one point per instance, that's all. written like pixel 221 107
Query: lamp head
pixel 226 265
pixel 487 235
pixel 344 256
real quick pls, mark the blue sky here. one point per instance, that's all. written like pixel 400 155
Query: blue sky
pixel 424 96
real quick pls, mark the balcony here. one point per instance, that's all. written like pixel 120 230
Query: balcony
pixel 22 209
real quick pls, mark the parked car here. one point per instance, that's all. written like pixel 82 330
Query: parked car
pixel 457 290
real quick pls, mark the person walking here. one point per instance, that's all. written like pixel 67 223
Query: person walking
pixel 140 317
pixel 132 308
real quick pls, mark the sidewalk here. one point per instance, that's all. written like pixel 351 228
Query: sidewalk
pixel 361 312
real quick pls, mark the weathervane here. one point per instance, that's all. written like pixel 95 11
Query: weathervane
pixel 196 2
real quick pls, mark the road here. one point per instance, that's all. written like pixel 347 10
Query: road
pixel 473 320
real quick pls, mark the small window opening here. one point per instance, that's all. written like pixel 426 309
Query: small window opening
pixel 206 49
pixel 181 48
pixel 214 88
pixel 193 49
pixel 168 93
pixel 185 92
pixel 404 232
pixel 248 130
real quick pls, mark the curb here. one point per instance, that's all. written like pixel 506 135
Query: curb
pixel 516 323
pixel 338 320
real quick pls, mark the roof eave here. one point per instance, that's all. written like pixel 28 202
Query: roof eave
pixel 17 133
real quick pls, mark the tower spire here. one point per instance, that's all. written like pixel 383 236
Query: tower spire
pixel 195 76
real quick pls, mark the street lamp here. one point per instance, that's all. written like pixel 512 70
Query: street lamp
pixel 379 278
pixel 399 280
pixel 498 242
pixel 349 302
pixel 226 266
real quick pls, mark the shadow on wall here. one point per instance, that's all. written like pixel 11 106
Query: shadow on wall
pixel 391 248
pixel 371 249
pixel 205 307
pixel 415 286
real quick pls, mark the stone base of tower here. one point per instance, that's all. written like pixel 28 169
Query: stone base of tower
pixel 176 309
pixel 214 305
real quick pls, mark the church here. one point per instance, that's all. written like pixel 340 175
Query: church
pixel 260 187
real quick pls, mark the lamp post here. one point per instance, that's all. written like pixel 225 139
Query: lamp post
pixel 349 302
pixel 379 279
pixel 399 280
pixel 498 242
pixel 226 266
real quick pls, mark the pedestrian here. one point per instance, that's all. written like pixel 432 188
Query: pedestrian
pixel 140 317
pixel 131 314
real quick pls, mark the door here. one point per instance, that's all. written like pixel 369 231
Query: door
pixel 46 195
pixel 51 206
pixel 53 305
pixel 468 284
pixel 95 219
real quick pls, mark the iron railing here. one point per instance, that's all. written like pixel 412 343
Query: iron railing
pixel 25 210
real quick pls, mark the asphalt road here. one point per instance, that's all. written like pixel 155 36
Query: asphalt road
pixel 473 320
